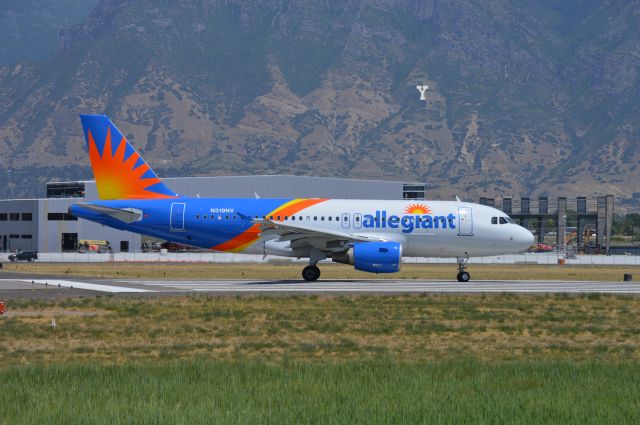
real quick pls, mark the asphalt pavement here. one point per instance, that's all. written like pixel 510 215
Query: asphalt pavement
pixel 38 286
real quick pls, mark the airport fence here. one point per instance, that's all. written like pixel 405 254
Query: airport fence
pixel 216 257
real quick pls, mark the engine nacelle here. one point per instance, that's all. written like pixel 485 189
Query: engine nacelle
pixel 373 257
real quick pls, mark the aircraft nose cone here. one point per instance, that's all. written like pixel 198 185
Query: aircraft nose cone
pixel 525 238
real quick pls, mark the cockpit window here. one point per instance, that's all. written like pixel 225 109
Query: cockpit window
pixel 503 220
pixel 494 220
pixel 510 220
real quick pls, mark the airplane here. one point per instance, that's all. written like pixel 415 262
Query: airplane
pixel 371 235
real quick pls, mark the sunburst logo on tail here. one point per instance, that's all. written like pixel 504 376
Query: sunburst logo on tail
pixel 118 177
pixel 417 209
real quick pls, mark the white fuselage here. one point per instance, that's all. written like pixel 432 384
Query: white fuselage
pixel 424 228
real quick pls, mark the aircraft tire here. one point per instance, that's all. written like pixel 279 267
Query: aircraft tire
pixel 464 277
pixel 310 273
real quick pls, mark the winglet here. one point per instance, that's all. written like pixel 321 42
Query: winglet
pixel 119 170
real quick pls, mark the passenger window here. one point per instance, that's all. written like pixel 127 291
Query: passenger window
pixel 357 218
pixel 337 218
pixel 322 218
pixel 286 217
pixel 197 216
pixel 204 216
pixel 494 220
pixel 278 218
pixel 234 217
pixel 270 217
pixel 503 220
pixel 330 218
pixel 226 217
pixel 315 218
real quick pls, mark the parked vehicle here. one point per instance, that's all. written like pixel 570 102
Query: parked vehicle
pixel 24 256
pixel 541 247
pixel 93 246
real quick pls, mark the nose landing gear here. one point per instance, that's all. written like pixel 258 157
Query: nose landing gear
pixel 463 275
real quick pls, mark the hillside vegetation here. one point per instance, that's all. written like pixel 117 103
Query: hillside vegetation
pixel 524 97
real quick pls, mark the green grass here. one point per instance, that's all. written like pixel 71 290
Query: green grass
pixel 452 392
pixel 450 359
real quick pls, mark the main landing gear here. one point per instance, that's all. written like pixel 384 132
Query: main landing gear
pixel 463 275
pixel 311 273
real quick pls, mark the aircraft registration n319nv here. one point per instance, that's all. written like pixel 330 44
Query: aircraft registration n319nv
pixel 371 235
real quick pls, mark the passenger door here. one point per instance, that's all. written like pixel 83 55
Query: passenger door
pixel 465 221
pixel 176 220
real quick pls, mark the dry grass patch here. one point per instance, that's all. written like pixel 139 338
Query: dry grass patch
pixel 285 271
pixel 402 328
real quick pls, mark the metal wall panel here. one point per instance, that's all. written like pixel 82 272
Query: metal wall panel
pixel 20 227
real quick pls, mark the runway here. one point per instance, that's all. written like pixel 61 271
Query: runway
pixel 35 285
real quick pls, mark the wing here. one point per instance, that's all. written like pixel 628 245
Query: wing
pixel 301 235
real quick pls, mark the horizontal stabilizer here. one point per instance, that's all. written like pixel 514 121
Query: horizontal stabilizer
pixel 126 215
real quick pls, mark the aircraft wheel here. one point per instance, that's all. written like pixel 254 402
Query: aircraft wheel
pixel 310 273
pixel 464 277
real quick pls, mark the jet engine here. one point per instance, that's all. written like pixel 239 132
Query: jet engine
pixel 373 257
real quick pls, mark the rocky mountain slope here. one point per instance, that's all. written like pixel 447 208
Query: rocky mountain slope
pixel 30 28
pixel 524 97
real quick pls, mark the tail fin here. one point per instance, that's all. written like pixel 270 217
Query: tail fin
pixel 119 170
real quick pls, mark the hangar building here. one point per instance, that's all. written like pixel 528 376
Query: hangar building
pixel 45 225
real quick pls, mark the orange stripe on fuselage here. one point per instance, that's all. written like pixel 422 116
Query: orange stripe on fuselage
pixel 241 241
pixel 291 208
pixel 250 235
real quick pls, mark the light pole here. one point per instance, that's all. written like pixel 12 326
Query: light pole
pixel 564 237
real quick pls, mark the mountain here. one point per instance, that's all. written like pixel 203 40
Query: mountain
pixel 30 28
pixel 524 97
